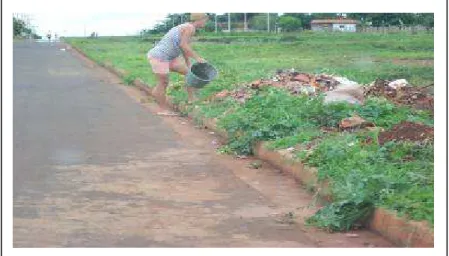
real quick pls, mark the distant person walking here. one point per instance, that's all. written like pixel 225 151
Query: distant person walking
pixel 165 57
pixel 49 36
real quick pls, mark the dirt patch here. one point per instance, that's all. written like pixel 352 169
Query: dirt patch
pixel 354 122
pixel 240 94
pixel 412 96
pixel 407 131
pixel 420 62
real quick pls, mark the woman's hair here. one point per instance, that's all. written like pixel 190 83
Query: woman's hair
pixel 197 16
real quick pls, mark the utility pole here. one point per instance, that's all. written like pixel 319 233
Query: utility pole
pixel 216 26
pixel 229 22
pixel 28 20
pixel 268 23
pixel 245 24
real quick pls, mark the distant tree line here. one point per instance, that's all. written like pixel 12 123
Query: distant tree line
pixel 296 21
pixel 22 29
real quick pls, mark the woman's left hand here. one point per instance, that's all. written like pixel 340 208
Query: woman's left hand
pixel 201 60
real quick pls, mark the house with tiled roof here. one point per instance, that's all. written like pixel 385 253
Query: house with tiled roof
pixel 343 25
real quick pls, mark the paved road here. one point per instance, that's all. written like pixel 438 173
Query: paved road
pixel 95 168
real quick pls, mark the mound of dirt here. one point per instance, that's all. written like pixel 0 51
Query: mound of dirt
pixel 412 96
pixel 407 131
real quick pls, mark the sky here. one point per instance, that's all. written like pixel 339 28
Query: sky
pixel 105 24
pixel 128 17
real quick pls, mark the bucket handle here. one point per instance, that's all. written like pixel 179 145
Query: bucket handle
pixel 193 61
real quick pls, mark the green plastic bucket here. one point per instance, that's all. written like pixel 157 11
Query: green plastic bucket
pixel 201 74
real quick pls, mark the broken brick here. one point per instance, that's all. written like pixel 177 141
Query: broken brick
pixel 301 78
pixel 222 94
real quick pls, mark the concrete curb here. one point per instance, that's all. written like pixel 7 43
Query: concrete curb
pixel 399 230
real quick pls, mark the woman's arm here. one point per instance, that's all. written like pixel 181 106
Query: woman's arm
pixel 188 52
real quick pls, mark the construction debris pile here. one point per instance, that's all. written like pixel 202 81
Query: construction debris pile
pixel 301 83
pixel 294 82
pixel 337 88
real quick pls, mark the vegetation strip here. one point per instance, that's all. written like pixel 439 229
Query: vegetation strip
pixel 328 152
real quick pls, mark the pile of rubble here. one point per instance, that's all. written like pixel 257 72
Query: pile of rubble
pixel 337 88
pixel 300 83
pixel 296 83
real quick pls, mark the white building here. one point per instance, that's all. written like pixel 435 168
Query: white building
pixel 343 25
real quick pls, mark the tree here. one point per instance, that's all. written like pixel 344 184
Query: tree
pixel 159 28
pixel 390 19
pixel 306 18
pixel 274 20
pixel 19 27
pixel 210 26
pixel 260 21
pixel 426 19
pixel 364 18
pixel 288 23
pixel 236 17
pixel 324 15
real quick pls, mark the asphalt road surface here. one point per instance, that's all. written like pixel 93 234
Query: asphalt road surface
pixel 93 167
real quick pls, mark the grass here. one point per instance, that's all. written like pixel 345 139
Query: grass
pixel 360 57
pixel 362 176
pixel 273 114
pixel 304 136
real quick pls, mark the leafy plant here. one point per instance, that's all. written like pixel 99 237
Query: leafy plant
pixel 365 175
pixel 299 138
pixel 341 216
pixel 129 79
